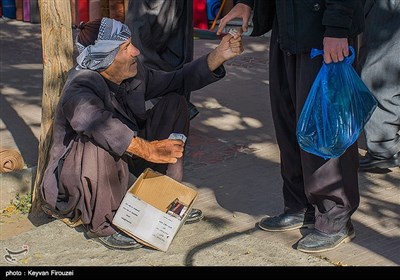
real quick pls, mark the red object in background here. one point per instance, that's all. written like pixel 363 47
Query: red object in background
pixel 200 14
pixel 82 11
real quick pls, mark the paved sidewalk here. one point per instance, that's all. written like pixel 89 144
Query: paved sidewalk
pixel 232 160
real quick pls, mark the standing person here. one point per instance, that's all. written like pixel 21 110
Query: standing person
pixel 163 32
pixel 379 64
pixel 103 136
pixel 320 194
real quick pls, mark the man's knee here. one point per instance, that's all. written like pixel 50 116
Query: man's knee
pixel 173 102
pixel 177 99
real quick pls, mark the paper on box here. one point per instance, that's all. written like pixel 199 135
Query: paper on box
pixel 142 213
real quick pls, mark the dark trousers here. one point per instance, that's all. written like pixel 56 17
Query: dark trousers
pixel 309 182
pixel 170 114
pixel 380 71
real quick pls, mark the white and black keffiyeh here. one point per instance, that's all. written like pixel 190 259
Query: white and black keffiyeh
pixel 99 56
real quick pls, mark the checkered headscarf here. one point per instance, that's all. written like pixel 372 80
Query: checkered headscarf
pixel 99 56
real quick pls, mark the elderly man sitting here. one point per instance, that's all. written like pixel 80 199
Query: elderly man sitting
pixel 103 136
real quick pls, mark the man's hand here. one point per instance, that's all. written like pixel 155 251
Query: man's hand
pixel 238 11
pixel 163 151
pixel 335 49
pixel 229 47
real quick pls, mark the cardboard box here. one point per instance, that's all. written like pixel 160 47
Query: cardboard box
pixel 143 211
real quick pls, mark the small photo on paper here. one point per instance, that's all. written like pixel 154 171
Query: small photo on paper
pixel 177 209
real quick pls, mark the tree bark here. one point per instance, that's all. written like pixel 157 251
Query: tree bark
pixel 57 45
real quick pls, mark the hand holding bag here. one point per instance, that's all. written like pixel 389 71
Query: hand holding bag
pixel 336 109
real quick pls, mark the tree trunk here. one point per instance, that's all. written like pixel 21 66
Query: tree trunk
pixel 126 4
pixel 57 45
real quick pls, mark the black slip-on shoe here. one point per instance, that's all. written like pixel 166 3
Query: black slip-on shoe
pixel 117 241
pixel 368 162
pixel 287 221
pixel 194 216
pixel 317 241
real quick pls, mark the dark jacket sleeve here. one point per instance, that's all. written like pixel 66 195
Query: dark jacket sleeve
pixel 84 109
pixel 263 15
pixel 192 76
pixel 343 18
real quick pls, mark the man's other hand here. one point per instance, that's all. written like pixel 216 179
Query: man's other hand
pixel 238 11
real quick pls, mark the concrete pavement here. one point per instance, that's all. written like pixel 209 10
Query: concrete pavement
pixel 232 160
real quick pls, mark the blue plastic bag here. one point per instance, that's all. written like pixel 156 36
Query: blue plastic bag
pixel 336 110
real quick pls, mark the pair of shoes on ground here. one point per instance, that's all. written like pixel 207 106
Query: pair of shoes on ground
pixel 122 241
pixel 314 242
pixel 369 161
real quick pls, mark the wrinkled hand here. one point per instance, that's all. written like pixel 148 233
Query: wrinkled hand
pixel 238 11
pixel 229 47
pixel 335 49
pixel 163 151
